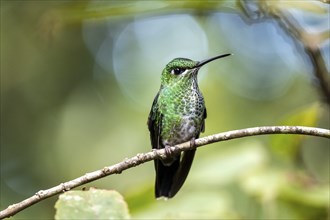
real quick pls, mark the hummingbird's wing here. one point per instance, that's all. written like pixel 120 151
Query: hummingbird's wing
pixel 154 124
pixel 164 174
pixel 203 122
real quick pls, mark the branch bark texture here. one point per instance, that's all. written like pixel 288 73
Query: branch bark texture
pixel 158 154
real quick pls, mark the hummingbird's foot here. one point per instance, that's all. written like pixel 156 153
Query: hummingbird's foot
pixel 168 151
pixel 170 156
pixel 192 142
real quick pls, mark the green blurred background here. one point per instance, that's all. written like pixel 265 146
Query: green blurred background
pixel 78 79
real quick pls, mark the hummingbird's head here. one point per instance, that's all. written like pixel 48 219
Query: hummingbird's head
pixel 178 70
pixel 182 70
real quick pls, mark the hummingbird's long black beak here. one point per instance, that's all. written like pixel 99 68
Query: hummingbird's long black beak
pixel 203 62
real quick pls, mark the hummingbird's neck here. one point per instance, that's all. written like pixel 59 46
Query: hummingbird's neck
pixel 191 84
pixel 185 86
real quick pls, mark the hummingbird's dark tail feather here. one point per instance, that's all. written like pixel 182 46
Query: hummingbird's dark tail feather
pixel 182 173
pixel 169 179
pixel 164 177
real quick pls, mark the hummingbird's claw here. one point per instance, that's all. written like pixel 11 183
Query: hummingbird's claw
pixel 192 142
pixel 168 151
pixel 170 156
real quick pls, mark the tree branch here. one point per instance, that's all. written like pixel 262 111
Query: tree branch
pixel 311 43
pixel 159 154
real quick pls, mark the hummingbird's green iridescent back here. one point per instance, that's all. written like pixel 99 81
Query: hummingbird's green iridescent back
pixel 177 115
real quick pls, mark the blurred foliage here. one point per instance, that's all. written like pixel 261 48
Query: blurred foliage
pixel 91 204
pixel 77 83
pixel 287 146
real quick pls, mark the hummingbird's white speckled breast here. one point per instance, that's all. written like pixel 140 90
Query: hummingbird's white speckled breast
pixel 184 127
pixel 183 113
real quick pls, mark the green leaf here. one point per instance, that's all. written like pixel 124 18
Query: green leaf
pixel 91 204
pixel 287 146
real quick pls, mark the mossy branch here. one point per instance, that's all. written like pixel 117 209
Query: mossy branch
pixel 159 154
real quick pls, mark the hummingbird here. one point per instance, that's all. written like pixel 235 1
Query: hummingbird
pixel 177 115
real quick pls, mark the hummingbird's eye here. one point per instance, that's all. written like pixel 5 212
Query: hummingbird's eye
pixel 177 71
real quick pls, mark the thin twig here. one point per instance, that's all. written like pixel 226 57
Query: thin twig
pixel 159 154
